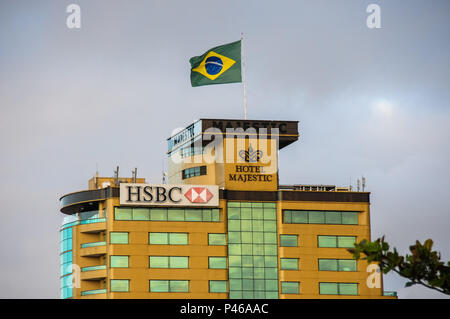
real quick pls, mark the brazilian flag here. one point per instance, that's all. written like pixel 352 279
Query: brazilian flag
pixel 218 65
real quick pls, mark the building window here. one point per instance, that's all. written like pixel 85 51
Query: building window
pixel 217 239
pixel 333 288
pixel 290 287
pixel 217 262
pixel 289 263
pixel 168 238
pixel 320 217
pixel 119 261
pixel 193 171
pixel 288 240
pixel 168 214
pixel 120 285
pixel 337 264
pixel 118 238
pixel 169 286
pixel 217 286
pixel 336 241
pixel 169 262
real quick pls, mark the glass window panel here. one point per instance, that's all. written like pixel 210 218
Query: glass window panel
pixel 270 214
pixel 118 238
pixel 316 217
pixel 194 215
pixel 289 287
pixel 158 238
pixel 287 216
pixel 159 286
pixel 215 215
pixel 248 294
pixel 288 240
pixel 247 237
pixel 270 226
pixel 328 264
pixel 258 273
pixel 289 263
pixel 234 249
pixel 350 218
pixel 271 273
pixel 217 286
pixel 271 285
pixel 258 237
pixel 218 262
pixel 348 289
pixel 270 238
pixel 141 214
pixel 234 237
pixel 347 265
pixel 235 294
pixel 158 214
pixel 234 213
pixel 234 225
pixel 333 217
pixel 270 261
pixel 122 213
pixel 217 239
pixel 235 284
pixel 247 261
pixel 258 225
pixel 119 261
pixel 179 286
pixel 246 213
pixel 346 241
pixel 258 249
pixel 178 262
pixel 328 288
pixel 175 214
pixel 206 215
pixel 120 285
pixel 246 225
pixel 299 217
pixel 260 294
pixel 327 241
pixel 247 249
pixel 178 238
pixel 235 272
pixel 269 205
pixel 247 273
pixel 258 213
pixel 234 204
pixel 257 205
pixel 259 284
pixel 159 262
pixel 246 205
pixel 258 261
pixel 235 261
pixel 270 250
pixel 247 284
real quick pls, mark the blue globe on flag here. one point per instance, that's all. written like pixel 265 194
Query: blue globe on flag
pixel 213 65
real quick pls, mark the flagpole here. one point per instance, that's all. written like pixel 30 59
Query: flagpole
pixel 243 76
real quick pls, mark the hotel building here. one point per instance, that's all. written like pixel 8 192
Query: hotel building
pixel 221 227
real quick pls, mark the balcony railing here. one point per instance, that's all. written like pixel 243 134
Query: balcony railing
pixel 390 293
pixel 93 292
pixel 94 244
pixel 91 268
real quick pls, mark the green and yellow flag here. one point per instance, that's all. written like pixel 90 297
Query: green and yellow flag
pixel 218 65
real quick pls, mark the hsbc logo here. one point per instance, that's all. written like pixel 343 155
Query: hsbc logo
pixel 199 195
pixel 136 194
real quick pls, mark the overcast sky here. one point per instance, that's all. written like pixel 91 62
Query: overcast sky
pixel 372 102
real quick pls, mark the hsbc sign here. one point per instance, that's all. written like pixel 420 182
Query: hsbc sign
pixel 136 194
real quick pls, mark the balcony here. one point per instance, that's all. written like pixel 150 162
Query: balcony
pixel 95 249
pixel 93 272
pixel 94 294
pixel 93 226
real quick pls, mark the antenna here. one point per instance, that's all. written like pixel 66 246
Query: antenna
pixel 134 174
pixel 363 183
pixel 358 182
pixel 116 176
pixel 164 174
pixel 350 184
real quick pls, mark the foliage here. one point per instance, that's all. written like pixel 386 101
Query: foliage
pixel 422 267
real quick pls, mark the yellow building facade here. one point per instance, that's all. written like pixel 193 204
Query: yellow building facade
pixel 222 227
